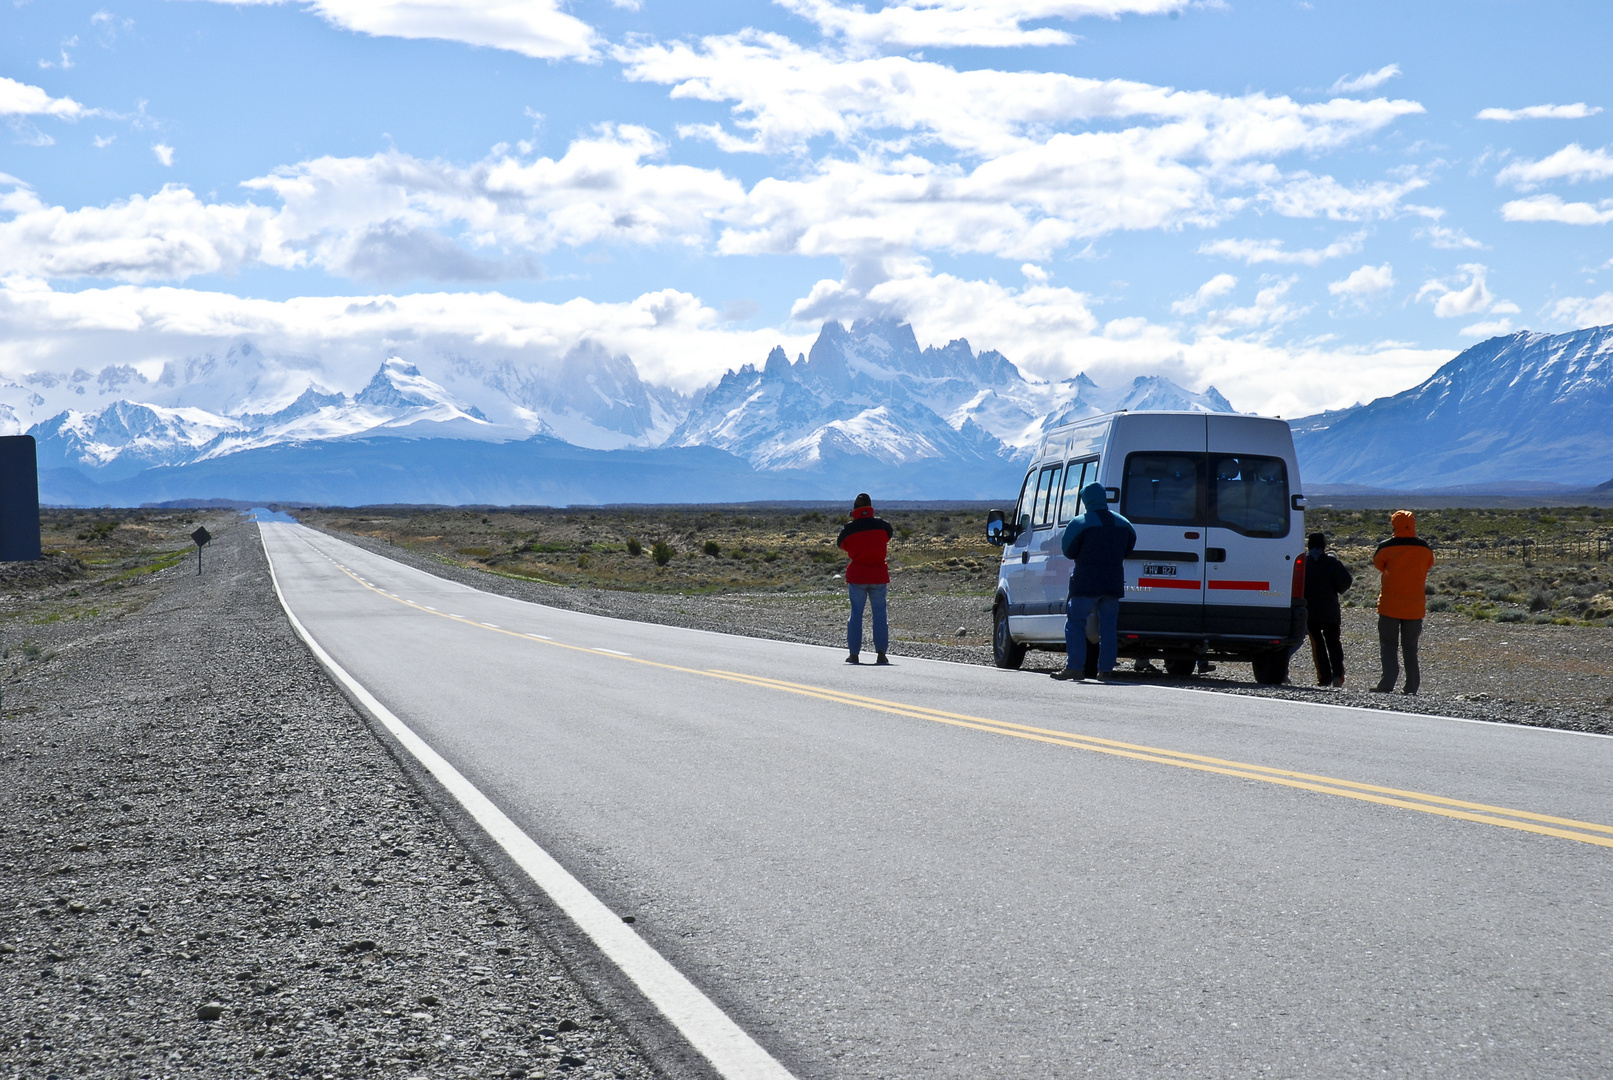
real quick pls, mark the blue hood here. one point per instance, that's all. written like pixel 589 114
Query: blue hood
pixel 1094 499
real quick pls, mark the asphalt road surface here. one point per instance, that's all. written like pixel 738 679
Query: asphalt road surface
pixel 875 873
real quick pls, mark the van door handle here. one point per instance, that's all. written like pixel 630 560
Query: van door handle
pixel 1215 554
pixel 1025 556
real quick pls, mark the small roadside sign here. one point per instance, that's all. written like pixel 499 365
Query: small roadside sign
pixel 201 536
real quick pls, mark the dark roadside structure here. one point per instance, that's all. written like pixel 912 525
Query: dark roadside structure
pixel 19 499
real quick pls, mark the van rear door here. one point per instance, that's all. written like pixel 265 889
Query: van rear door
pixel 1159 461
pixel 1249 552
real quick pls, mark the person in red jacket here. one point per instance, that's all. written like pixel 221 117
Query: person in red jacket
pixel 864 540
pixel 1404 561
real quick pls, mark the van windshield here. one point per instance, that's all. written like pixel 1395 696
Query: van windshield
pixel 1163 489
pixel 1249 494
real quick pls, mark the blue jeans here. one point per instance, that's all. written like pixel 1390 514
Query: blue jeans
pixel 860 595
pixel 1075 630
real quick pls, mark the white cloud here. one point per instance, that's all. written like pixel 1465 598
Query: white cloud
pixel 672 336
pixel 1551 208
pixel 20 99
pixel 1572 163
pixel 785 95
pixel 1451 302
pixel 1492 328
pixel 171 235
pixel 103 141
pixel 1578 311
pixel 1577 111
pixel 1305 196
pixel 1363 284
pixel 1270 309
pixel 973 23
pixel 536 28
pixel 1254 252
pixel 1446 239
pixel 164 153
pixel 1347 84
pixel 386 217
pixel 1216 287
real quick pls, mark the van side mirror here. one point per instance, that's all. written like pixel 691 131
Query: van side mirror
pixel 1298 502
pixel 997 529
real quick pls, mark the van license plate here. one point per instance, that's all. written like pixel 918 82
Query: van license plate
pixel 1159 569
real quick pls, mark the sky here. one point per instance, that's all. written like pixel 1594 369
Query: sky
pixel 1304 204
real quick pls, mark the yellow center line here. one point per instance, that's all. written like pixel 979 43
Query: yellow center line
pixel 1438 805
pixel 1330 780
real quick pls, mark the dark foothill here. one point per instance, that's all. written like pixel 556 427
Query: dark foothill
pixel 211 1011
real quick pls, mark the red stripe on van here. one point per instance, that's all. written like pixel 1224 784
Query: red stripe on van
pixel 1165 583
pixel 1245 586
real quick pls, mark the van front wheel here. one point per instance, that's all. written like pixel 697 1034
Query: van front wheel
pixel 1271 669
pixel 1005 651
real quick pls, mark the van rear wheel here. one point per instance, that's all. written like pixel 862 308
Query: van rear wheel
pixel 1005 651
pixel 1180 667
pixel 1271 668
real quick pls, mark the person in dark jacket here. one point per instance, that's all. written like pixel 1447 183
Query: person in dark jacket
pixel 1325 579
pixel 1099 541
pixel 864 540
pixel 1404 561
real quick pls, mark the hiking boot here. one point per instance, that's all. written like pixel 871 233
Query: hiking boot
pixel 852 659
pixel 1066 674
pixel 882 660
pixel 1382 689
pixel 1339 682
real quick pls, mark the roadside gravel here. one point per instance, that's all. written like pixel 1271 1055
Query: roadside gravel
pixel 210 867
pixel 1542 676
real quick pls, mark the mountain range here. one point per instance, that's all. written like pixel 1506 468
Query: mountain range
pixel 1524 409
pixel 866 408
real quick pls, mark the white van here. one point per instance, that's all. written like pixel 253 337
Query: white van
pixel 1217 572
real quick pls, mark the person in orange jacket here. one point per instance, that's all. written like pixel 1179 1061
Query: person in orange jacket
pixel 1404 561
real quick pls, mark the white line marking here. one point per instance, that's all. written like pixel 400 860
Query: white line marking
pixel 491 626
pixel 732 1052
pixel 428 607
pixel 614 652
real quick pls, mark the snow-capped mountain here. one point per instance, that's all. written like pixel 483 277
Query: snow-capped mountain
pixel 589 398
pixel 871 391
pixel 1525 407
pixel 125 437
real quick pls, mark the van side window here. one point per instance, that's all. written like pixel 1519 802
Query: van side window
pixel 1249 494
pixel 1163 489
pixel 1047 489
pixel 1022 509
pixel 1077 476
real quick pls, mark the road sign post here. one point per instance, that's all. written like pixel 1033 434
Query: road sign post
pixel 201 536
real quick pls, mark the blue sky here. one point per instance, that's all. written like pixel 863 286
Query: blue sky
pixel 1299 203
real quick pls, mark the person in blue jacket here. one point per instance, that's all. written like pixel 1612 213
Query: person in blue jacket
pixel 1099 541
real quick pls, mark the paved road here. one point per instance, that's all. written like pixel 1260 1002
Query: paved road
pixel 877 876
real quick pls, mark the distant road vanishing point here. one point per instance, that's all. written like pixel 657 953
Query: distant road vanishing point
pixel 938 870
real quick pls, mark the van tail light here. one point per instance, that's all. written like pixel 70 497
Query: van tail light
pixel 1299 578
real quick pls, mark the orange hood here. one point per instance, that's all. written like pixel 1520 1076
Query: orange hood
pixel 1404 523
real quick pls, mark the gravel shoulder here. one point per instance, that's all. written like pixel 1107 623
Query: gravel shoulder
pixel 1542 676
pixel 209 865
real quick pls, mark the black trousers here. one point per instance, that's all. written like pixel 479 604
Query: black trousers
pixel 1328 652
pixel 1396 636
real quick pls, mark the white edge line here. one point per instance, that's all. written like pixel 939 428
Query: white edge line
pixel 708 1029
